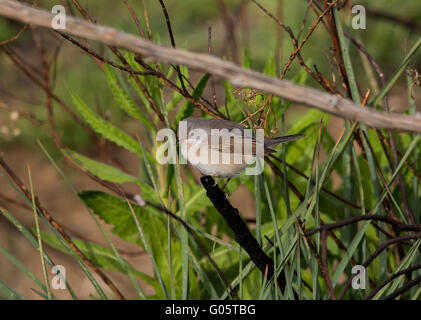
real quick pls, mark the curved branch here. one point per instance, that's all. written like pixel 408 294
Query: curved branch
pixel 42 211
pixel 391 278
pixel 399 226
pixel 238 76
pixel 404 288
pixel 241 233
pixel 379 250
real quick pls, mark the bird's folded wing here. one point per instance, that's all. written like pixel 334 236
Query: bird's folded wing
pixel 236 144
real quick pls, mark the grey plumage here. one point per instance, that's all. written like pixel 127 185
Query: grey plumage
pixel 207 124
pixel 272 142
pixel 236 142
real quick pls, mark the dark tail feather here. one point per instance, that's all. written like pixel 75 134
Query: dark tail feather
pixel 271 142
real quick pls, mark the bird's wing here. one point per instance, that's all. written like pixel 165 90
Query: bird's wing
pixel 235 144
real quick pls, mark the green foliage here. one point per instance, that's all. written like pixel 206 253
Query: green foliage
pixel 158 187
pixel 124 101
pixel 99 169
pixel 103 127
pixel 100 256
pixel 188 108
pixel 342 182
pixel 116 212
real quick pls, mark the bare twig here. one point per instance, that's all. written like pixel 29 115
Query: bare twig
pixel 104 60
pixel 326 268
pixel 135 18
pixel 14 37
pixel 399 226
pixel 391 278
pixel 241 233
pixel 411 24
pixel 59 229
pixel 30 74
pixel 379 250
pixel 238 76
pixel 404 288
pixel 303 42
pixel 168 22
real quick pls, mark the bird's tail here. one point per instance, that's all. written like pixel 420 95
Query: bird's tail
pixel 271 142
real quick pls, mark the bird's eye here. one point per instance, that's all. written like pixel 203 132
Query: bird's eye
pixel 191 134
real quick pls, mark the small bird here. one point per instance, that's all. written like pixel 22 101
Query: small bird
pixel 223 148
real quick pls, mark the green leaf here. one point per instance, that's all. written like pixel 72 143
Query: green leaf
pixel 106 129
pixel 28 235
pixel 114 211
pixel 188 108
pixel 109 173
pixel 124 101
pixel 99 169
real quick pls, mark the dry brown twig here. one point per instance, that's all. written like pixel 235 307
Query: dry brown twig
pixel 2 43
pixel 416 81
pixel 59 229
pixel 16 59
pixel 238 76
pixel 303 42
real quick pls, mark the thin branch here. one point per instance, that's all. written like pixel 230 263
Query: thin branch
pixel 47 83
pixel 241 233
pixel 391 278
pixel 104 60
pixel 399 226
pixel 30 74
pixel 339 198
pixel 379 250
pixel 404 288
pixel 326 267
pixel 135 18
pixel 2 43
pixel 168 21
pixel 316 75
pixel 411 24
pixel 303 42
pixel 59 229
pixel 238 76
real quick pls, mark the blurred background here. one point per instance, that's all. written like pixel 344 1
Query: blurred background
pixel 238 30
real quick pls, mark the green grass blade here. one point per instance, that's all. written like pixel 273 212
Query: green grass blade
pixel 411 255
pixel 10 293
pixel 24 269
pixel 355 242
pixel 106 172
pixel 397 74
pixel 28 235
pixel 41 250
pixel 148 250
